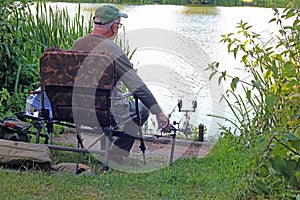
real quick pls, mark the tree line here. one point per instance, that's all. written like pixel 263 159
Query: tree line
pixel 257 3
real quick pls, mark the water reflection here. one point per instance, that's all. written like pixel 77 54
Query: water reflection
pixel 176 63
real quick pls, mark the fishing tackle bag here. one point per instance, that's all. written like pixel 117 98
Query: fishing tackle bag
pixel 24 155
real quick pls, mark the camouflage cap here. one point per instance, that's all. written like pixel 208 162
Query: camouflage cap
pixel 108 13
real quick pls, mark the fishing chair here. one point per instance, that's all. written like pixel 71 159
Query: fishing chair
pixel 79 86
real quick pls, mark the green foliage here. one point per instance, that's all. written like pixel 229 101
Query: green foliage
pixel 16 69
pixel 54 27
pixel 264 3
pixel 4 96
pixel 25 34
pixel 124 44
pixel 269 107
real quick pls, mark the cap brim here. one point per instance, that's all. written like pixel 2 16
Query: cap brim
pixel 123 15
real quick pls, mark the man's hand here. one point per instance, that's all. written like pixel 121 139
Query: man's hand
pixel 163 122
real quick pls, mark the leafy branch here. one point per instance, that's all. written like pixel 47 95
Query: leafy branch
pixel 268 107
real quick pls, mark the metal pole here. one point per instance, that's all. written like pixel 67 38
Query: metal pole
pixel 173 148
pixel 201 133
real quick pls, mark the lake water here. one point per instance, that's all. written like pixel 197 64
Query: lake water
pixel 174 49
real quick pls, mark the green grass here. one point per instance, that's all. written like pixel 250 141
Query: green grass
pixel 223 174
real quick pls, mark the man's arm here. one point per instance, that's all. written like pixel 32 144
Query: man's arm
pixel 135 84
pixel 127 75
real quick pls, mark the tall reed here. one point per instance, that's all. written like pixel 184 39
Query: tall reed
pixel 27 29
pixel 53 26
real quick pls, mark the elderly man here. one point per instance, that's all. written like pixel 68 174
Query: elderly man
pixel 107 21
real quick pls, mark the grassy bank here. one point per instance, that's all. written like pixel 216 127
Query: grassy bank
pixel 224 174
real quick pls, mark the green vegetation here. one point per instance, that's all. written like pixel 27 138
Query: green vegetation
pixel 25 34
pixel 269 110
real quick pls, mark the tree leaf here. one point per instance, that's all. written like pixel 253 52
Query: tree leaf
pixel 211 75
pixel 235 50
pixel 271 101
pixel 245 44
pixel 234 82
pixel 245 59
pixel 289 14
pixel 261 188
pixel 256 84
pixel 290 136
pixel 279 165
pixel 274 69
pixel 273 19
pixel 248 95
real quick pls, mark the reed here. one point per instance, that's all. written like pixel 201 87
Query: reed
pixel 54 27
pixel 28 29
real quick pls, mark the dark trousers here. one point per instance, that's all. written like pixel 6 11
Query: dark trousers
pixel 123 145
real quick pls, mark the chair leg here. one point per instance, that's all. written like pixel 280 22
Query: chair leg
pixel 79 140
pixel 143 148
pixel 106 157
pixel 38 127
pixel 50 131
pixel 103 142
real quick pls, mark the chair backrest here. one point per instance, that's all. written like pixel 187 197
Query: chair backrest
pixel 78 85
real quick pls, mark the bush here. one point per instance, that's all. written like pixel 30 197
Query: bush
pixel 267 112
